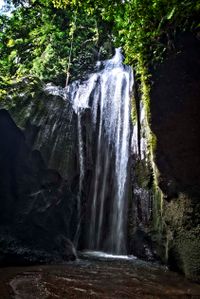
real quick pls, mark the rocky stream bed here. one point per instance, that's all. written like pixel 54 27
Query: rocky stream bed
pixel 96 277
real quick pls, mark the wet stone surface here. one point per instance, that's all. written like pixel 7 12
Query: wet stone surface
pixel 92 277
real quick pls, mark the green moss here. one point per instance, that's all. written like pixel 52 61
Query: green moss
pixel 187 249
pixel 177 233
pixel 134 117
pixel 143 174
pixel 157 209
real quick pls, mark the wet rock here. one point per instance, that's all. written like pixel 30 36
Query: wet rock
pixel 96 278
pixel 175 105
pixel 66 248
pixel 48 123
pixel 140 243
pixel 37 208
pixel 175 121
pixel 142 246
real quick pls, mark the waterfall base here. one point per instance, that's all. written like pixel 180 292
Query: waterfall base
pixel 96 279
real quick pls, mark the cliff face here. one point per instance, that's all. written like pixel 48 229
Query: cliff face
pixel 38 208
pixel 175 121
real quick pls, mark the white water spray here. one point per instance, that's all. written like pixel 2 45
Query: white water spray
pixel 107 94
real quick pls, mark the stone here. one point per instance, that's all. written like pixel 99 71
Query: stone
pixel 175 121
pixel 37 218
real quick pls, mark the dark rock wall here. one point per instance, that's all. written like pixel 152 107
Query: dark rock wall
pixel 175 121
pixel 175 106
pixel 140 210
pixel 49 125
pixel 37 207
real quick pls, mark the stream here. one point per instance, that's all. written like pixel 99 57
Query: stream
pixel 96 275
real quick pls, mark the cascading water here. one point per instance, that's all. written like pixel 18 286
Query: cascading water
pixel 107 94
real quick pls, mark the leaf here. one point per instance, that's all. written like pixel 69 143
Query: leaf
pixel 171 13
pixel 10 43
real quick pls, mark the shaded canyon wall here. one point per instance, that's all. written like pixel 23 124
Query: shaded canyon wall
pixel 175 122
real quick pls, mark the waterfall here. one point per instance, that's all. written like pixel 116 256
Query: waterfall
pixel 107 94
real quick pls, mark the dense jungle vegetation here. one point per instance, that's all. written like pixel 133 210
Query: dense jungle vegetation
pixel 56 39
pixel 41 40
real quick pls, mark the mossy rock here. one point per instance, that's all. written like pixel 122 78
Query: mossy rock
pixel 185 253
pixel 143 174
pixel 179 242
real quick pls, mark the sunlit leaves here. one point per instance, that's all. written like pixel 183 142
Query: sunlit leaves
pixel 144 28
pixel 43 33
pixel 171 13
pixel 10 43
pixel 37 40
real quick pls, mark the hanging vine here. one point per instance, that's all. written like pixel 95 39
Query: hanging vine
pixel 71 34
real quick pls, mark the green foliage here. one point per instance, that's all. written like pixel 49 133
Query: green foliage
pixel 51 38
pixel 14 93
pixel 144 28
pixel 38 39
